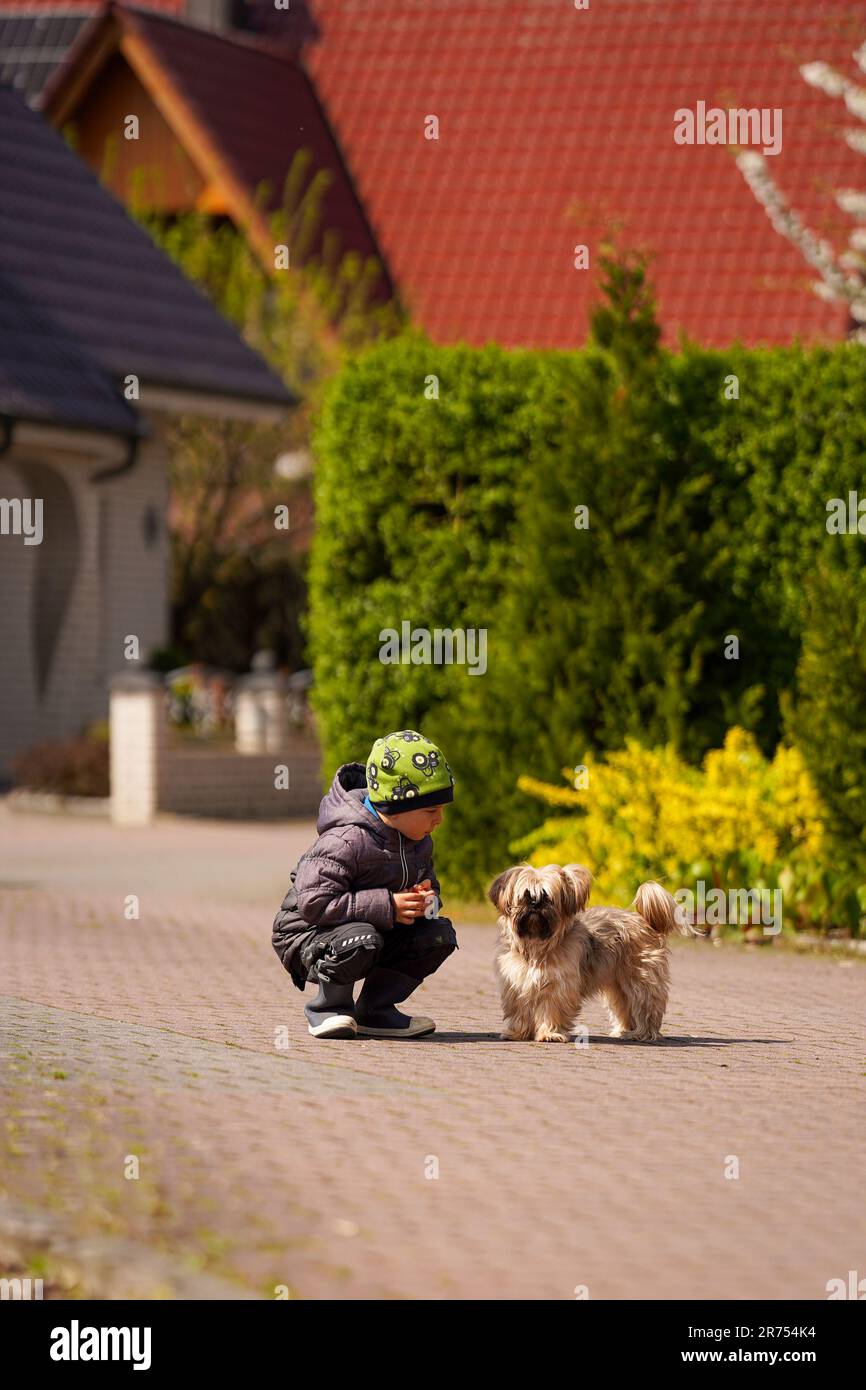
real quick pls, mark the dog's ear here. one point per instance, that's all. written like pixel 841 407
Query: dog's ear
pixel 496 891
pixel 579 880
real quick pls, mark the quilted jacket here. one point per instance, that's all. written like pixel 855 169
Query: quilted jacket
pixel 349 874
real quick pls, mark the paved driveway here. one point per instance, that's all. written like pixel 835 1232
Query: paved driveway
pixel 171 1128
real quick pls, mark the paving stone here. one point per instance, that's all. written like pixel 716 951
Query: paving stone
pixel 557 1165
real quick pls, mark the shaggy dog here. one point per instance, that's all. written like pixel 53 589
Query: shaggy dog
pixel 555 954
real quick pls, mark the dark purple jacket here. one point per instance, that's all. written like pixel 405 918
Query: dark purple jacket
pixel 349 874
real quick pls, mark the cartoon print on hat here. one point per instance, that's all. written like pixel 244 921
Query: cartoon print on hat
pixel 431 782
pixel 404 789
pixel 426 762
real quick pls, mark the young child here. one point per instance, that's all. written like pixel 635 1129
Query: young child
pixel 364 901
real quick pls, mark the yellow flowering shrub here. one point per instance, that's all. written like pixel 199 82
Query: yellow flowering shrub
pixel 739 820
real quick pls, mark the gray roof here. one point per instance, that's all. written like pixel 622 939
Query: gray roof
pixel 46 377
pixel 33 45
pixel 89 299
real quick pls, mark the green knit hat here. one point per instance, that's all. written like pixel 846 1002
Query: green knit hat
pixel 406 771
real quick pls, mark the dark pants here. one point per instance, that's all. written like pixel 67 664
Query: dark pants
pixel 342 955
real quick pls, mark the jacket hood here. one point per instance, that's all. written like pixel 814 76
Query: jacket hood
pixel 344 803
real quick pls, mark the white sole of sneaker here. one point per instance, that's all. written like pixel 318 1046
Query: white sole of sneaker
pixel 337 1026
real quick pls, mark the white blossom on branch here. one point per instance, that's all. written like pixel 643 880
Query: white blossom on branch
pixel 843 275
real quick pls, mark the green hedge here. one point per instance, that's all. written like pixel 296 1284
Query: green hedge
pixel 707 519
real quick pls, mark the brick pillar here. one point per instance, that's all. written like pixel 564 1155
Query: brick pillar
pixel 138 737
pixel 261 717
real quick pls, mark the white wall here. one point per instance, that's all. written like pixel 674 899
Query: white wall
pixel 93 580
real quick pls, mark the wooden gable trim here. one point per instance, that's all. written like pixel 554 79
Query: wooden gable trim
pixel 224 193
pixel 212 201
pixel 197 142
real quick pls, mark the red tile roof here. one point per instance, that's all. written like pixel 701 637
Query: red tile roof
pixel 556 121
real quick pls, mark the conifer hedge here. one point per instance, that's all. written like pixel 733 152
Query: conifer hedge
pixel 447 484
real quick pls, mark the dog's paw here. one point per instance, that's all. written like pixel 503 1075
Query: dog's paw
pixel 549 1035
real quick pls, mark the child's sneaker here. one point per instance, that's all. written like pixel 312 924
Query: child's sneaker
pixel 375 1015
pixel 331 1013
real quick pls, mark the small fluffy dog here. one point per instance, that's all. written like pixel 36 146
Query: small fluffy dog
pixel 555 954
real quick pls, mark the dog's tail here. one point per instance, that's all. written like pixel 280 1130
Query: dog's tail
pixel 663 913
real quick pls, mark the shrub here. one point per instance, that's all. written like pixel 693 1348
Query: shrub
pixel 706 520
pixel 69 767
pixel 796 441
pixel 739 821
pixel 237 584
pixel 460 512
pixel 415 509
pixel 828 718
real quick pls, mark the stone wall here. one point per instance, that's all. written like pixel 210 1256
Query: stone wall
pixel 153 769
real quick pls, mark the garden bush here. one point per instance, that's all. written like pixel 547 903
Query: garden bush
pixel 740 819
pixel 706 476
pixel 69 767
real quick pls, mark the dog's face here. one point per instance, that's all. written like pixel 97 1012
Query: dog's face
pixel 538 904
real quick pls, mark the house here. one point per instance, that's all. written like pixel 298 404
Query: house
pixel 102 342
pixel 182 118
pixel 553 125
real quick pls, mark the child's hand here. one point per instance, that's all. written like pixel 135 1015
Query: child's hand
pixel 431 902
pixel 410 905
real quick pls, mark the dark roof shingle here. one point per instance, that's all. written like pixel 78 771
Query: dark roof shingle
pixel 47 378
pixel 32 45
pixel 70 251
